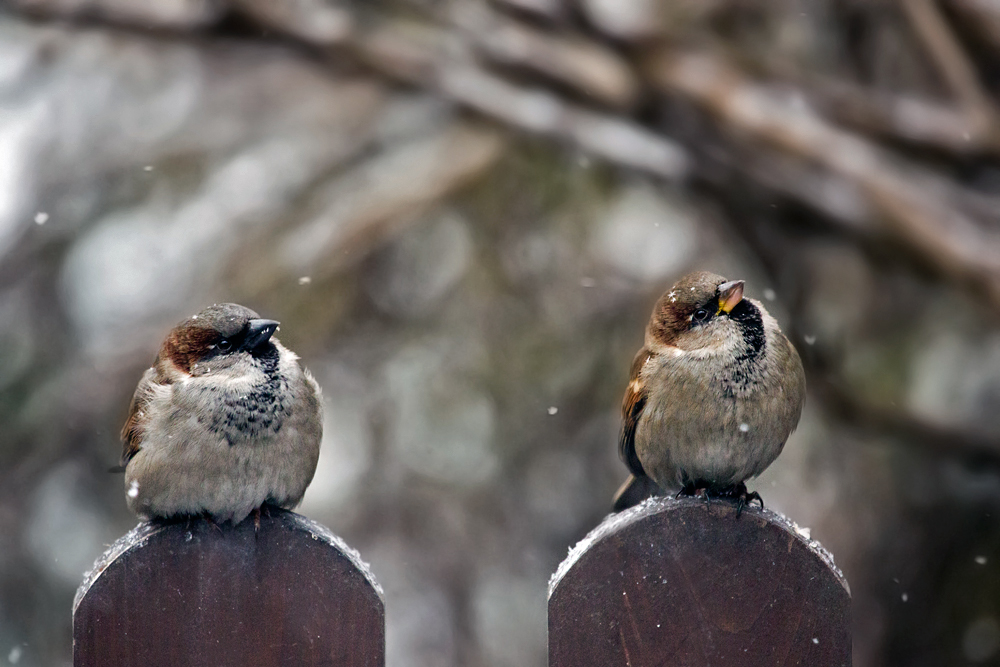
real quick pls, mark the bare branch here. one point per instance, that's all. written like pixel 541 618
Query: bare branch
pixel 587 66
pixel 915 205
pixel 420 55
pixel 951 60
pixel 313 21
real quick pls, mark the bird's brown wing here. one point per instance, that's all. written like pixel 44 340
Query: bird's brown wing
pixel 632 405
pixel 132 431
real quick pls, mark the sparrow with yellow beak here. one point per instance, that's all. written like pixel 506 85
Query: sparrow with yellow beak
pixel 712 397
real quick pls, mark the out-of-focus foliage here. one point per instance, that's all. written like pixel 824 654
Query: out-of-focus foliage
pixel 461 212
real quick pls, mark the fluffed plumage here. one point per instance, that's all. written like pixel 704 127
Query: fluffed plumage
pixel 224 421
pixel 712 396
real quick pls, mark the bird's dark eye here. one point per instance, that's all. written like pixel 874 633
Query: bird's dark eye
pixel 701 316
pixel 224 345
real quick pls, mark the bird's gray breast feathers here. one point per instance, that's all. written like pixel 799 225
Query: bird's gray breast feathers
pixel 246 414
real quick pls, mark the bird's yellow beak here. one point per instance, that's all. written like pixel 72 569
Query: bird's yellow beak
pixel 730 294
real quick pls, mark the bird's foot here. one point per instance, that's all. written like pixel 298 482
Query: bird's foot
pixel 265 511
pixel 695 490
pixel 739 493
pixel 211 521
pixel 690 489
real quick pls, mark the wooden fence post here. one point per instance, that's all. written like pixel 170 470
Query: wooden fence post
pixel 197 593
pixel 679 582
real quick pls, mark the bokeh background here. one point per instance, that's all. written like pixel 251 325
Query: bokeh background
pixel 462 213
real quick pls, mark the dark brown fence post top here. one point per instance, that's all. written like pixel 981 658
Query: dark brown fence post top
pixel 615 523
pixel 679 582
pixel 139 536
pixel 189 592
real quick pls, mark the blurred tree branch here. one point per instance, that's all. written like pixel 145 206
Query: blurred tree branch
pixel 953 63
pixel 847 149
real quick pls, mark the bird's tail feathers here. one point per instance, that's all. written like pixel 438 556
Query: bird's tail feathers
pixel 634 491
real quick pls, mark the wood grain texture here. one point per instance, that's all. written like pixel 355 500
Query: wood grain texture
pixel 678 583
pixel 197 593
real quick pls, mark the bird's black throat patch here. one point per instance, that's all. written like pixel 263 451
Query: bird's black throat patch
pixel 247 416
pixel 743 372
pixel 751 323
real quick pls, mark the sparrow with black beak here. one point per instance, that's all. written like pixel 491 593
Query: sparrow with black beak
pixel 712 397
pixel 224 421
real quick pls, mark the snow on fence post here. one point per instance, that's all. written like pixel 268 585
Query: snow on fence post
pixel 198 593
pixel 679 582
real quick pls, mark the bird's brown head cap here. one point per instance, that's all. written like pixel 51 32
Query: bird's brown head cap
pixel 218 329
pixel 693 300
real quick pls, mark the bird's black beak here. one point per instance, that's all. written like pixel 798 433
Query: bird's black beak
pixel 258 333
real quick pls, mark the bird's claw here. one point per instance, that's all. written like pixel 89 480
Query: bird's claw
pixel 211 522
pixel 737 492
pixel 743 497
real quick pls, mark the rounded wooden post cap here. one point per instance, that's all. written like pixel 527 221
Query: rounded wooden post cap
pixel 198 593
pixel 679 582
